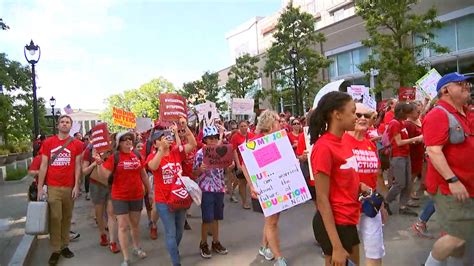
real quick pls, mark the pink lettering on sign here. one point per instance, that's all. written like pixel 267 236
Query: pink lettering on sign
pixel 267 155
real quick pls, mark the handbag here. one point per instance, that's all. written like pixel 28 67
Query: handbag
pixel 179 198
pixel 371 204
pixel 37 218
pixel 193 189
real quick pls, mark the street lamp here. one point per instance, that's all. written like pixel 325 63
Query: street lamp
pixel 32 51
pixel 294 59
pixel 52 103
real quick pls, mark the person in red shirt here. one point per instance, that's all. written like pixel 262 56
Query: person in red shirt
pixel 60 170
pixel 127 178
pixel 387 115
pixel 165 164
pixel 400 159
pixel 337 183
pixel 450 173
pixel 238 138
pixel 368 169
pixel 417 151
pixel 294 134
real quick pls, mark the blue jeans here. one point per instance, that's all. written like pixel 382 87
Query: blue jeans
pixel 174 226
pixel 428 211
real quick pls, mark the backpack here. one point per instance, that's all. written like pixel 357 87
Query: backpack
pixel 116 161
pixel 386 148
pixel 456 132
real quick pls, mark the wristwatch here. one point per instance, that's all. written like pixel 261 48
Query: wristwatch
pixel 453 179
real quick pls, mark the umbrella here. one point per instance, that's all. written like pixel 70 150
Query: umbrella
pixel 332 86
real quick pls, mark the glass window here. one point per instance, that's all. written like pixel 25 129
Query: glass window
pixel 344 63
pixel 358 57
pixel 446 37
pixel 466 65
pixel 332 67
pixel 465 28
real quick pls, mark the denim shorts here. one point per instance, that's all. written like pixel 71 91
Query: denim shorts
pixel 212 206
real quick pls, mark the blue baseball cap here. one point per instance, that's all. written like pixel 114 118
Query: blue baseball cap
pixel 451 77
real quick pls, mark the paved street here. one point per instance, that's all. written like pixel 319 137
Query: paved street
pixel 241 233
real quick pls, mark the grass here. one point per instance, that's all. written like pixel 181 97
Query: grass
pixel 16 174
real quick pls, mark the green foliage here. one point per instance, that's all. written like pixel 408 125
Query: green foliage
pixel 295 30
pixel 4 151
pixel 143 102
pixel 207 88
pixel 16 174
pixel 242 77
pixel 16 102
pixel 392 26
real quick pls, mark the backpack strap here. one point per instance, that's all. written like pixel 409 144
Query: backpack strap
pixel 116 161
pixel 456 132
pixel 55 156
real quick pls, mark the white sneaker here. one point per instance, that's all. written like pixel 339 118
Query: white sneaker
pixel 281 261
pixel 266 253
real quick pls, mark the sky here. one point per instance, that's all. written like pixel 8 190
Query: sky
pixel 91 49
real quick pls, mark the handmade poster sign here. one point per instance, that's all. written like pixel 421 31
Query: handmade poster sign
pixel 144 124
pixel 275 172
pixel 428 83
pixel 207 112
pixel 218 156
pixel 369 101
pixel 309 148
pixel 406 94
pixel 172 107
pixel 358 92
pixel 242 106
pixel 123 118
pixel 76 127
pixel 100 138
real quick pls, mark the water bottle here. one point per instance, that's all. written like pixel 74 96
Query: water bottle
pixel 45 193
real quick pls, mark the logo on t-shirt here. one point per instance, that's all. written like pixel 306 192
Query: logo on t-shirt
pixel 133 164
pixel 350 163
pixel 62 159
pixel 367 161
pixel 181 192
pixel 169 170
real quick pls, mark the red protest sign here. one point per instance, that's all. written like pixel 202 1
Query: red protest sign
pixel 172 107
pixel 406 94
pixel 218 156
pixel 100 138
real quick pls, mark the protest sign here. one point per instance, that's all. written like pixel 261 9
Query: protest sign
pixel 369 101
pixel 208 112
pixel 278 179
pixel 428 83
pixel 76 127
pixel 218 156
pixel 406 94
pixel 172 107
pixel 100 138
pixel 143 124
pixel 123 118
pixel 358 92
pixel 309 148
pixel 242 106
pixel 332 86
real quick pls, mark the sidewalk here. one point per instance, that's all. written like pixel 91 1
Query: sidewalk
pixel 241 234
pixel 13 204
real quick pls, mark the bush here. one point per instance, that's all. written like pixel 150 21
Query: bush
pixel 4 151
pixel 16 174
pixel 25 147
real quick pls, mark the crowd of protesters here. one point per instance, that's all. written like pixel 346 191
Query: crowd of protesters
pixel 404 150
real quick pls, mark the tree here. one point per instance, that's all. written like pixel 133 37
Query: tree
pixel 391 25
pixel 242 77
pixel 16 103
pixel 207 88
pixel 295 34
pixel 143 102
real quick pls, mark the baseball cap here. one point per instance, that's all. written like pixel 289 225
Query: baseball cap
pixel 210 131
pixel 451 77
pixel 122 134
pixel 157 134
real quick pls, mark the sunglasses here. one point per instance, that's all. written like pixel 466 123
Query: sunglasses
pixel 181 130
pixel 296 124
pixel 126 138
pixel 366 115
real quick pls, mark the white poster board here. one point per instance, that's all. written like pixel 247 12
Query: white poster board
pixel 332 86
pixel 309 148
pixel 76 127
pixel 207 111
pixel 358 92
pixel 242 106
pixel 143 124
pixel 428 83
pixel 369 101
pixel 275 172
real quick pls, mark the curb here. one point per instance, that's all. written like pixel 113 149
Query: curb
pixel 23 251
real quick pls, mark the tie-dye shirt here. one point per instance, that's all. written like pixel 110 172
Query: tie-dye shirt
pixel 211 180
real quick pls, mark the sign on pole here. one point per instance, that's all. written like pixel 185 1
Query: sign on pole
pixel 358 92
pixel 309 148
pixel 100 138
pixel 275 172
pixel 242 106
pixel 208 112
pixel 172 107
pixel 428 83
pixel 123 118
pixel 218 156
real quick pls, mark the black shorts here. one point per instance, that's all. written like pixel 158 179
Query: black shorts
pixel 347 234
pixel 127 206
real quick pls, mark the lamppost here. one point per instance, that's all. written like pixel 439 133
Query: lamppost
pixel 294 58
pixel 52 103
pixel 32 49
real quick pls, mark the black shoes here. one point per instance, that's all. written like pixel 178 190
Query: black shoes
pixel 67 253
pixel 53 260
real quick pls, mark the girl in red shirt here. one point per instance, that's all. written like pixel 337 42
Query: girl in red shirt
pixel 417 151
pixel 128 178
pixel 294 133
pixel 337 183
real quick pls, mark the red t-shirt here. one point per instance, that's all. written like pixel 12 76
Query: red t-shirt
pixel 188 161
pixel 127 183
pixel 398 127
pixel 238 139
pixel 293 139
pixel 299 151
pixel 417 150
pixel 36 163
pixel 386 119
pixel 330 157
pixel 170 166
pixel 86 156
pixel 368 163
pixel 459 156
pixel 61 172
